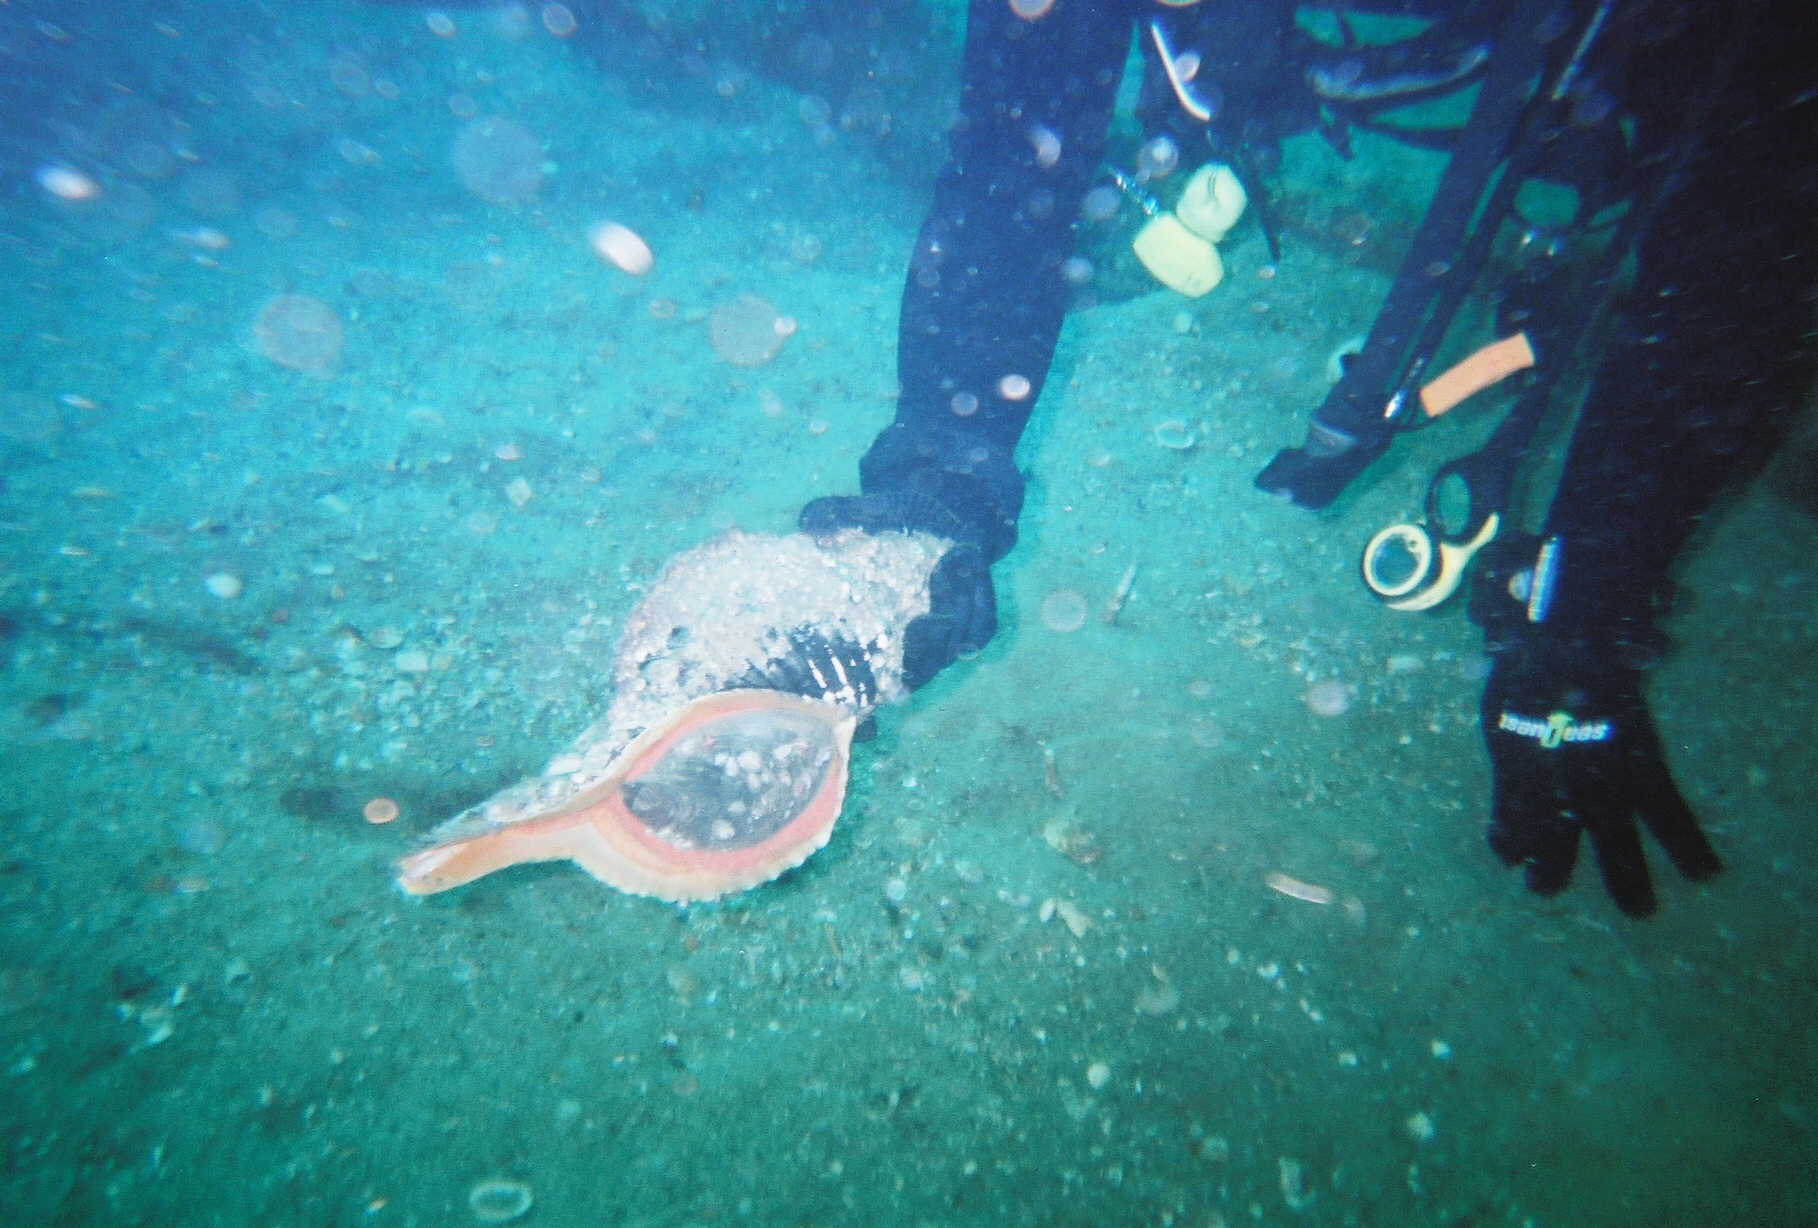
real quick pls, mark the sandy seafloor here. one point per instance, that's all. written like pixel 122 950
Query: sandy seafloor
pixel 216 1009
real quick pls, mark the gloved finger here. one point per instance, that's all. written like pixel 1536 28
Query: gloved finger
pixel 1526 828
pixel 1552 855
pixel 962 616
pixel 1675 826
pixel 1513 824
pixel 961 588
pixel 1606 806
pixel 927 649
pixel 1617 842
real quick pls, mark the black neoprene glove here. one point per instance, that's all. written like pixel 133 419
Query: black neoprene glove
pixel 1573 750
pixel 962 606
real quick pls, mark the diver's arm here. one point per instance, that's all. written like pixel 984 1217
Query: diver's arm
pixel 983 304
pixel 1719 357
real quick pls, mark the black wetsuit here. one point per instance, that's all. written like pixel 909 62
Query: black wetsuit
pixel 985 296
pixel 1715 358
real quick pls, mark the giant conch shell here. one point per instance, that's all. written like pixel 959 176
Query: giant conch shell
pixel 722 761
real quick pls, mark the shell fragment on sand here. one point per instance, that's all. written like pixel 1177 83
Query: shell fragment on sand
pixel 1312 893
pixel 1072 915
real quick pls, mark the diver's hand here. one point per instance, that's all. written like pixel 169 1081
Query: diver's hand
pixel 961 617
pixel 962 606
pixel 1572 749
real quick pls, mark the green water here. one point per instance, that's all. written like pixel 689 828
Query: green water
pixel 215 1007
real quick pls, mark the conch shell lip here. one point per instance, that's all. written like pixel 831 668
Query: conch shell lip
pixel 598 831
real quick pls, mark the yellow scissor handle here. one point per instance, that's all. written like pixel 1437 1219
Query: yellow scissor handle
pixel 1421 588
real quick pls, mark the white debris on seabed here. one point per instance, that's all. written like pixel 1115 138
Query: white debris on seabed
pixel 1097 1075
pixel 157 1018
pixel 1071 914
pixel 1161 998
pixel 225 585
pixel 1293 1185
pixel 1213 1148
pixel 1420 1128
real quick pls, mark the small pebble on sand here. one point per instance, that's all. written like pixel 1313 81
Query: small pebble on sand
pixel 1328 697
pixel 386 638
pixel 380 810
pixel 225 585
pixel 203 837
pixel 1097 1075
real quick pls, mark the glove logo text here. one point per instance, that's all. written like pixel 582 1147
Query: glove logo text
pixel 1557 729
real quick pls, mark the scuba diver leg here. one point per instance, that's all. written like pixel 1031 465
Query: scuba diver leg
pixel 984 300
pixel 983 305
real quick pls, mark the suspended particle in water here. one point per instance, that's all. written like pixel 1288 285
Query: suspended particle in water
pixel 748 331
pixel 558 20
pixel 1063 611
pixel 1328 697
pixel 498 160
pixel 1046 144
pixel 1158 158
pixel 498 1200
pixel 1100 204
pixel 805 249
pixel 67 183
pixel 300 332
pixel 621 246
